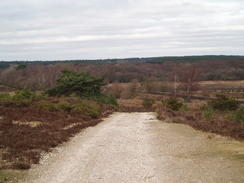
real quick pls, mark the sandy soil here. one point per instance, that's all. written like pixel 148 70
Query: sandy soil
pixel 135 147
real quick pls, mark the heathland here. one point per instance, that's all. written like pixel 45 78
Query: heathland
pixel 45 103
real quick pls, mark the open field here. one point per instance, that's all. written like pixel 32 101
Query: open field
pixel 231 88
pixel 222 83
pixel 234 89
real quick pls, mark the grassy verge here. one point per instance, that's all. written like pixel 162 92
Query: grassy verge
pixel 11 175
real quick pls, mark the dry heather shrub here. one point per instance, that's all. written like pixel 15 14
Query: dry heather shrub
pixel 164 113
pixel 115 89
pixel 21 165
pixel 148 102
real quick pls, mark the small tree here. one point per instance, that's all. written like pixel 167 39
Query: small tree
pixel 21 66
pixel 173 103
pixel 148 102
pixel 189 80
pixel 82 84
pixel 175 78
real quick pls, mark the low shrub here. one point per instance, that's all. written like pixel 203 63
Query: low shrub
pixel 23 103
pixel 173 103
pixel 65 106
pixel 86 108
pixel 24 94
pixel 42 96
pixel 208 113
pixel 5 97
pixel 148 102
pixel 238 115
pixel 184 107
pixel 46 105
pixel 21 165
pixel 108 100
pixel 223 103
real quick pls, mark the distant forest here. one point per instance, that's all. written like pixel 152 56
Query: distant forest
pixel 43 74
pixel 155 60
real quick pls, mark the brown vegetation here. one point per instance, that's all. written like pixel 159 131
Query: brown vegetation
pixel 234 89
pixel 216 122
pixel 133 105
pixel 26 130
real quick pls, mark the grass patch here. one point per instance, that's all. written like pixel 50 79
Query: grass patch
pixel 29 123
pixel 11 175
pixel 240 157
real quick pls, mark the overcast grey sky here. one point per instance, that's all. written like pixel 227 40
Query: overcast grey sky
pixel 94 29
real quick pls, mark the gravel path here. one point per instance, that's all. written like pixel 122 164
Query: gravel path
pixel 135 147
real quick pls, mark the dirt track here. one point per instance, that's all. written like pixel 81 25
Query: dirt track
pixel 135 147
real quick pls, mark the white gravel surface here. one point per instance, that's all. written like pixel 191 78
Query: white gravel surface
pixel 135 147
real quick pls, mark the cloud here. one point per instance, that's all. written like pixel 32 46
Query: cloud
pixel 71 29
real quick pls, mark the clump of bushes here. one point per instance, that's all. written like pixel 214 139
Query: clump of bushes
pixel 173 103
pixel 24 94
pixel 148 102
pixel 221 116
pixel 81 107
pixel 222 103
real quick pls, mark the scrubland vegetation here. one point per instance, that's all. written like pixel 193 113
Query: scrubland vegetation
pixel 32 123
pixel 223 115
pixel 43 104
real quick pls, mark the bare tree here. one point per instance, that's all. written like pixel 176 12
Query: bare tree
pixel 189 80
pixel 176 81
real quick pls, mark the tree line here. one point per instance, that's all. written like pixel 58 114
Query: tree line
pixel 43 75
